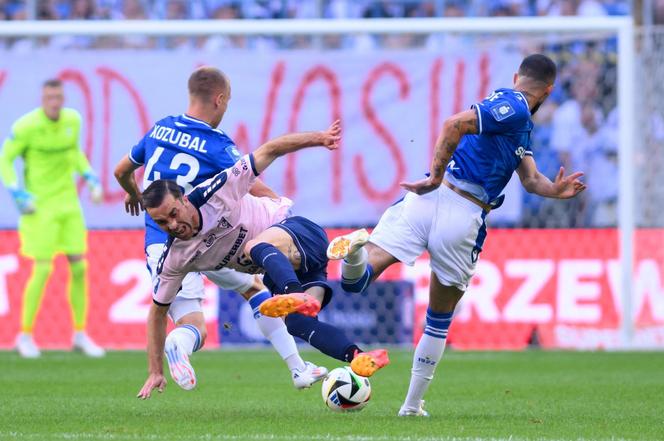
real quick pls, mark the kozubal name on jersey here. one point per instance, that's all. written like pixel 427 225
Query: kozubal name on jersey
pixel 178 138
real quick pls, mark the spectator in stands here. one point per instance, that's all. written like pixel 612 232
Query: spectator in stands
pixel 575 128
pixel 586 8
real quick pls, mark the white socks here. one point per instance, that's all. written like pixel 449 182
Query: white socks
pixel 354 265
pixel 428 353
pixel 274 329
pixel 187 337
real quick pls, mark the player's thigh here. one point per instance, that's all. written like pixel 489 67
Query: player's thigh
pixel 72 234
pixel 281 240
pixel 185 311
pixel 401 234
pixel 443 298
pixel 232 280
pixel 193 286
pixel 456 238
pixel 38 235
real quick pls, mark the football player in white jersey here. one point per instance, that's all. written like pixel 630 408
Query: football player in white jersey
pixel 475 157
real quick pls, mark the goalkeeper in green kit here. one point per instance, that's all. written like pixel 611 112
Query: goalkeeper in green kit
pixel 51 220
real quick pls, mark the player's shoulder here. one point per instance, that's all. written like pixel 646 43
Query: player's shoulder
pixel 68 114
pixel 507 103
pixel 28 120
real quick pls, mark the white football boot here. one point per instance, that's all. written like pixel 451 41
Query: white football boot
pixel 84 343
pixel 311 374
pixel 179 365
pixel 410 412
pixel 26 346
pixel 342 246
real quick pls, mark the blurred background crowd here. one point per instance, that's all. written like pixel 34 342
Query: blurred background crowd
pixel 576 128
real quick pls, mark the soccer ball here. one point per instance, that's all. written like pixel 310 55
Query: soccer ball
pixel 343 390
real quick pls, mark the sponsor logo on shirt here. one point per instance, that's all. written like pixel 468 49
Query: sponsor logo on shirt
pixel 502 111
pixel 520 152
pixel 210 240
pixel 236 246
pixel 236 171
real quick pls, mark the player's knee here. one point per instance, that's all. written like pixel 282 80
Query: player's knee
pixel 256 287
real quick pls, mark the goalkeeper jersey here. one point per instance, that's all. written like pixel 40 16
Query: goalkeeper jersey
pixel 51 155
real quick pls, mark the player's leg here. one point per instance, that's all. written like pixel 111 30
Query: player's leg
pixel 429 350
pixel 187 313
pixel 37 242
pixel 251 287
pixel 400 236
pixel 188 337
pixel 307 249
pixel 456 238
pixel 72 238
pixel 332 341
pixel 275 251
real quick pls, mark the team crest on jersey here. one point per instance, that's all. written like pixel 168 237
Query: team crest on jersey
pixel 502 111
pixel 223 223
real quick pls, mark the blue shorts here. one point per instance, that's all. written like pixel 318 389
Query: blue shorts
pixel 311 241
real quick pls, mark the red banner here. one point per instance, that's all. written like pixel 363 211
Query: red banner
pixel 561 287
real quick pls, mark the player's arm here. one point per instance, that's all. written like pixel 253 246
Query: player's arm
pixel 83 168
pixel 260 190
pixel 124 173
pixel 264 155
pixel 157 321
pixel 168 284
pixel 13 147
pixel 563 187
pixel 456 126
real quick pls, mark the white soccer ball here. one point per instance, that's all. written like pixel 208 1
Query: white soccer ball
pixel 343 390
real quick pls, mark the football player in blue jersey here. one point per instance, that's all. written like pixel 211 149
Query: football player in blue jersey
pixel 444 214
pixel 189 149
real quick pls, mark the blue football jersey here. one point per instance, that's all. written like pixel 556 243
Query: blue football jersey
pixel 186 150
pixel 483 164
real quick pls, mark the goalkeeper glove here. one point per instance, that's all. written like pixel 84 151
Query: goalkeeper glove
pixel 25 202
pixel 94 186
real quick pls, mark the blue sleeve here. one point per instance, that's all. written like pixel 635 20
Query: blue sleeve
pixel 500 115
pixel 229 153
pixel 137 153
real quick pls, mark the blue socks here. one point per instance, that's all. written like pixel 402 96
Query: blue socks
pixel 437 324
pixel 358 285
pixel 277 267
pixel 326 338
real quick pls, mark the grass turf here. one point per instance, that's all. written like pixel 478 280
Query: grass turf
pixel 247 395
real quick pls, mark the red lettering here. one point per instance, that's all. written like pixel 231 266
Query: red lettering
pixel 484 77
pixel 325 74
pixel 458 86
pixel 241 138
pixel 276 79
pixel 109 75
pixel 382 132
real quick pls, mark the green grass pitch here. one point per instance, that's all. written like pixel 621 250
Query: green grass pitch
pixel 247 395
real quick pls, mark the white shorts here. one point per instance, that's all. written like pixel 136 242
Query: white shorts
pixel 442 222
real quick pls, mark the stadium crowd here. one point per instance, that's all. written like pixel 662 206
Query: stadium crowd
pixel 576 128
pixel 261 9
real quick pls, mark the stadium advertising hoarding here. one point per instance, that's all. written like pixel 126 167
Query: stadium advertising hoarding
pixel 391 103
pixel 558 287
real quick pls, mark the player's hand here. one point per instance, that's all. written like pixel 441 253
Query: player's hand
pixel 154 381
pixel 94 186
pixel 566 187
pixel 332 136
pixel 25 202
pixel 133 205
pixel 422 186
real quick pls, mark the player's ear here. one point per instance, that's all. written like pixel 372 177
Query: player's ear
pixel 515 77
